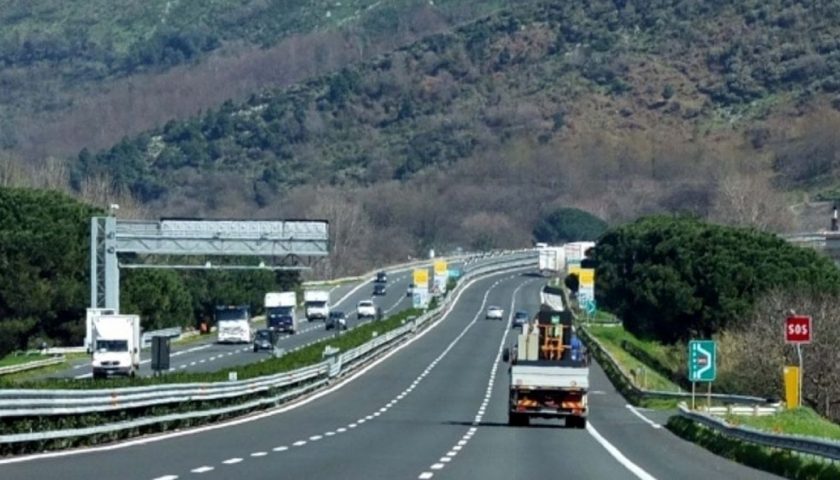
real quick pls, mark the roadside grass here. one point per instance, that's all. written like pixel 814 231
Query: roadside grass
pixel 31 375
pixel 798 421
pixel 18 359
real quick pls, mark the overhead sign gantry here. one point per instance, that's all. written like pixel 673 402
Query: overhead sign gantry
pixel 291 243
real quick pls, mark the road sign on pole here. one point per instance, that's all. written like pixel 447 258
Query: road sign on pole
pixel 798 329
pixel 702 360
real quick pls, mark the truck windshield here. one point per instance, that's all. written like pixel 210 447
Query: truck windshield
pixel 103 346
pixel 318 304
pixel 277 311
pixel 231 314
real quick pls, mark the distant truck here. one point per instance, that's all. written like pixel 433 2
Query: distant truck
pixel 549 374
pixel 115 345
pixel 280 311
pixel 233 323
pixel 316 304
pixel 552 261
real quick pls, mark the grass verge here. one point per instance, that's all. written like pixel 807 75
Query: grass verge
pixel 643 375
pixel 20 359
pixel 799 421
pixel 782 463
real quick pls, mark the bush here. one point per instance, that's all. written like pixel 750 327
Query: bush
pixel 568 225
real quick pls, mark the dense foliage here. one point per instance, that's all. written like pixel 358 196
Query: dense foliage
pixel 44 289
pixel 568 225
pixel 675 278
pixel 514 74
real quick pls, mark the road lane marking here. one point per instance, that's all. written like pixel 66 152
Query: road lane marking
pixel 203 469
pixel 610 448
pixel 232 461
pixel 167 477
pixel 644 418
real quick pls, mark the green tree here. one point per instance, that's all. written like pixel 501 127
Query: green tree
pixel 568 225
pixel 158 296
pixel 676 278
pixel 44 243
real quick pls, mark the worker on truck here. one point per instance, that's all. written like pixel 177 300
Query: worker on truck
pixel 577 347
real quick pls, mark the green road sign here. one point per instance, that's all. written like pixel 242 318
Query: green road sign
pixel 702 360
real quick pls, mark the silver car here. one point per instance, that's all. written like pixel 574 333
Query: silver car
pixel 494 313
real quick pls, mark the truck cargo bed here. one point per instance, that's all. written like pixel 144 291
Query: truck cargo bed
pixel 548 377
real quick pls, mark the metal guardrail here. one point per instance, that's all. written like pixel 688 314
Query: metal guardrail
pixel 644 393
pixel 806 445
pixel 29 402
pixel 31 365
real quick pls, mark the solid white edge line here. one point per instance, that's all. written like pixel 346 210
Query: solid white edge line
pixel 609 447
pixel 644 418
pixel 271 413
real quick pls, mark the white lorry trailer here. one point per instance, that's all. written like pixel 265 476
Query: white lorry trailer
pixel 316 304
pixel 115 343
pixel 280 311
pixel 549 374
pixel 233 323
pixel 552 260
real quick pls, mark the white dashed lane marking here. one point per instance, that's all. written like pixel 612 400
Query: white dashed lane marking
pixel 203 469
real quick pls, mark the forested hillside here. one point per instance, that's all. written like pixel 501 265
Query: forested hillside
pixel 77 74
pixel 550 74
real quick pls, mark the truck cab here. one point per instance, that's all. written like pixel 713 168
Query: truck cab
pixel 233 323
pixel 280 313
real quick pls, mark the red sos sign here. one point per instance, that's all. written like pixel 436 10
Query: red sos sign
pixel 798 329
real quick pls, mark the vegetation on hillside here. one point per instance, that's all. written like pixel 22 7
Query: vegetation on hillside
pixel 54 55
pixel 568 225
pixel 517 73
pixel 44 289
pixel 676 278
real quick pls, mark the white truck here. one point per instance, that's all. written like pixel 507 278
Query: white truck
pixel 552 260
pixel 233 323
pixel 549 374
pixel 115 345
pixel 280 311
pixel 316 304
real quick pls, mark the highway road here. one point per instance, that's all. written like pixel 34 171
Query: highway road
pixel 432 409
pixel 205 355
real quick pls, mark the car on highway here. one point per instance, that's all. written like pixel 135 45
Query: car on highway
pixel 494 313
pixel 366 309
pixel 264 339
pixel 520 318
pixel 379 289
pixel 381 277
pixel 337 319
pixel 410 291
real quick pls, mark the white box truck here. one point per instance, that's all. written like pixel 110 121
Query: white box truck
pixel 316 304
pixel 233 324
pixel 280 311
pixel 115 345
pixel 552 261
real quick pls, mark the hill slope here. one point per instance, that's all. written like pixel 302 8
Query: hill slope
pixel 553 73
pixel 87 73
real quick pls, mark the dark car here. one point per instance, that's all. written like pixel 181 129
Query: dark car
pixel 381 277
pixel 337 319
pixel 264 339
pixel 520 318
pixel 379 289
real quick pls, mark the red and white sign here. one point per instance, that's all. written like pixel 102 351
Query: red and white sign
pixel 798 329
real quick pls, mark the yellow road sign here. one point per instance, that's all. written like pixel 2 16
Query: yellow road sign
pixel 421 277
